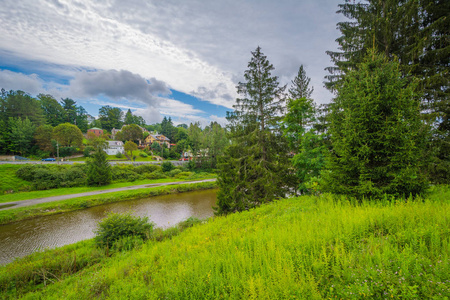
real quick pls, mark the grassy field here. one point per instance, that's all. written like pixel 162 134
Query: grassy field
pixel 302 248
pixel 50 208
pixel 9 182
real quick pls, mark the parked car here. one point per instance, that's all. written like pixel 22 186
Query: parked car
pixel 49 159
pixel 184 159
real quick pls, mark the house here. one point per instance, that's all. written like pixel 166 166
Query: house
pixel 115 147
pixel 97 131
pixel 159 138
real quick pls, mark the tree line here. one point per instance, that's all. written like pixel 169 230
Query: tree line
pixel 385 134
pixel 40 126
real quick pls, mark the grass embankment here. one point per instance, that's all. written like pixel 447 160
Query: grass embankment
pixel 50 208
pixel 306 248
pixel 9 182
pixel 82 189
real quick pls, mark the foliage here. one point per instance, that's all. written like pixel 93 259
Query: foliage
pixel 255 168
pixel 110 117
pixel 67 134
pixel 117 226
pixel 143 154
pixel 99 169
pixel 53 111
pixel 119 155
pixel 377 136
pixel 43 137
pixel 167 166
pixel 331 249
pixel 306 142
pixel 416 34
pixel 130 147
pixel 21 134
pixel 131 132
pixel 132 119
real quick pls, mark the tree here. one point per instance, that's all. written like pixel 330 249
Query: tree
pixel 21 135
pixel 195 138
pixel 110 117
pixel 300 86
pixel 130 147
pixel 155 147
pixel 70 108
pixel 18 104
pixel 305 141
pixel 131 132
pixel 167 128
pixel 99 170
pixel 376 131
pixel 215 141
pixel 43 137
pixel 68 135
pixel 255 167
pixel 53 111
pixel 416 34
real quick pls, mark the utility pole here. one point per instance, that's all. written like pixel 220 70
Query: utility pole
pixel 57 151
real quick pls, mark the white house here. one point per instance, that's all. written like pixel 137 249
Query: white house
pixel 114 147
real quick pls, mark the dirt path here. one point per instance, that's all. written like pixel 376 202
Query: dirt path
pixel 17 204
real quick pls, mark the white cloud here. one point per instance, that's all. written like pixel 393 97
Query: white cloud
pixel 196 47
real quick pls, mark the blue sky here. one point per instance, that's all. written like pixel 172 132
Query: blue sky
pixel 160 58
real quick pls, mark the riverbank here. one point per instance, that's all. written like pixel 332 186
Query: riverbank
pixel 308 247
pixel 17 214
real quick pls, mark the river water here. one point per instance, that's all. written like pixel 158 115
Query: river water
pixel 25 237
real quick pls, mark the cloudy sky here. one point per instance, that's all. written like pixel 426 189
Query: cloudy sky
pixel 179 58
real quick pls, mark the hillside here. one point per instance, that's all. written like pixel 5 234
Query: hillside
pixel 306 248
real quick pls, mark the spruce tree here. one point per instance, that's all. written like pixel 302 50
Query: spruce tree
pixel 255 168
pixel 99 170
pixel 376 131
pixel 300 86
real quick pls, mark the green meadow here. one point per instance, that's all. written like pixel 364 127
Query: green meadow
pixel 310 247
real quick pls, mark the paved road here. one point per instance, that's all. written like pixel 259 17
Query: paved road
pixel 16 204
pixel 174 162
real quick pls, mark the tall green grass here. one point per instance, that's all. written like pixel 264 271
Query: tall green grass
pixel 302 248
pixel 9 182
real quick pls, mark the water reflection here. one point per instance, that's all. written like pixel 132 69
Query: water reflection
pixel 25 237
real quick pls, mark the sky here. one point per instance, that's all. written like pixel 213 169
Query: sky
pixel 181 58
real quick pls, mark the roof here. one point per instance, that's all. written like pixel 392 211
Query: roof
pixel 115 143
pixel 95 128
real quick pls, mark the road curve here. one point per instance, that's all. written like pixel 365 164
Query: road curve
pixel 17 204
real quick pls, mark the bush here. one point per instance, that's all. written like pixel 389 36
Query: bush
pixel 119 155
pixel 125 173
pixel 118 226
pixel 148 168
pixel 87 151
pixel 174 172
pixel 184 175
pixel 155 175
pixel 167 166
pixel 143 154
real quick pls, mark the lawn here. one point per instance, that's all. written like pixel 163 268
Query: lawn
pixel 9 181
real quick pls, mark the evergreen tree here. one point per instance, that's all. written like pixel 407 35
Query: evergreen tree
pixel 99 170
pixel 376 131
pixel 300 86
pixel 21 135
pixel 53 111
pixel 255 167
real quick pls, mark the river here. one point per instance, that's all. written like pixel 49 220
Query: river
pixel 25 237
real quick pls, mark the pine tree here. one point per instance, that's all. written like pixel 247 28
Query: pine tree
pixel 300 86
pixel 377 135
pixel 254 169
pixel 99 170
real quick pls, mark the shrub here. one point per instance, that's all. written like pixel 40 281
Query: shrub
pixel 167 166
pixel 174 172
pixel 148 168
pixel 119 155
pixel 26 172
pixel 184 174
pixel 125 173
pixel 143 154
pixel 118 226
pixel 155 175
